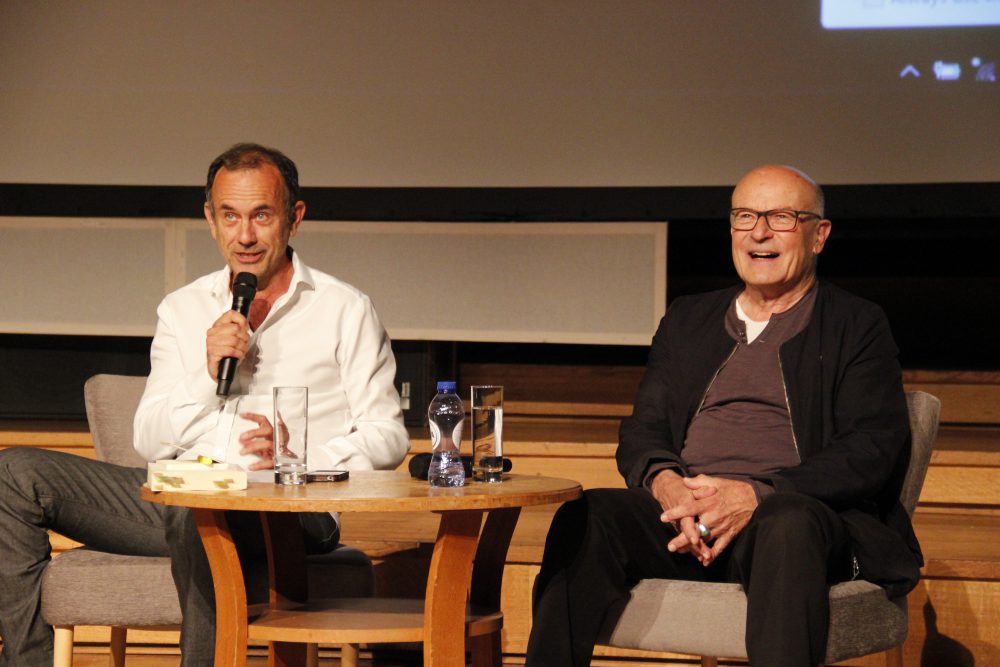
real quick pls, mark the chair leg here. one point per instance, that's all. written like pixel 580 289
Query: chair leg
pixel 116 656
pixel 709 661
pixel 62 655
pixel 349 655
pixel 894 657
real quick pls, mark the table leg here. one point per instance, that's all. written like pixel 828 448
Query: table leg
pixel 448 588
pixel 230 594
pixel 287 580
pixel 487 579
pixel 487 574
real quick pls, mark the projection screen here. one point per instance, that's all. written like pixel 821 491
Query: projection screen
pixel 521 93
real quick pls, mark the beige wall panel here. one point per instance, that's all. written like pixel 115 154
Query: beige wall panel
pixel 81 276
pixel 555 283
pixel 602 283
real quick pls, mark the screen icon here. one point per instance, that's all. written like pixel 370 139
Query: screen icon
pixel 947 71
pixel 985 71
pixel 909 70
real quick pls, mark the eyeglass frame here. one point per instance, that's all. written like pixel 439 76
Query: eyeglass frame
pixel 767 220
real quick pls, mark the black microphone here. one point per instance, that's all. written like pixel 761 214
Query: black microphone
pixel 244 289
pixel 420 465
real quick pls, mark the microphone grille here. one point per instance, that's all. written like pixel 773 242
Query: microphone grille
pixel 246 278
pixel 245 285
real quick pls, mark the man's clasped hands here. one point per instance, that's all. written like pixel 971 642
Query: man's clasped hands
pixel 708 512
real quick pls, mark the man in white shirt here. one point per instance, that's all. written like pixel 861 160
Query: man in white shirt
pixel 304 328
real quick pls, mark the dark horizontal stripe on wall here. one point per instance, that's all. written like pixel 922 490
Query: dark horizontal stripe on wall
pixel 100 201
pixel 42 376
pixel 859 202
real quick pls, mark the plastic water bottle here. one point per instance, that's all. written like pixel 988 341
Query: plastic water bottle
pixel 446 416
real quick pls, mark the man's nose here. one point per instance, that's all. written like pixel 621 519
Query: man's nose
pixel 761 230
pixel 247 234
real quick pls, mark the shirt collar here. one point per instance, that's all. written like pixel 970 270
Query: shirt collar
pixel 301 274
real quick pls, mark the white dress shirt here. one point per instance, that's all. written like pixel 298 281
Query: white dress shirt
pixel 322 333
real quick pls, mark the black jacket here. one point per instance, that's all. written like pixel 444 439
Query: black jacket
pixel 847 406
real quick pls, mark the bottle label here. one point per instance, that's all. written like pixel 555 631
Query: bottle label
pixel 435 435
pixel 455 443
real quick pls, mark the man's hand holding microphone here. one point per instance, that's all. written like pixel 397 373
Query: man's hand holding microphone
pixel 226 344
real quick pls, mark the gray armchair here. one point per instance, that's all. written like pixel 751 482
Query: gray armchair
pixel 709 619
pixel 88 587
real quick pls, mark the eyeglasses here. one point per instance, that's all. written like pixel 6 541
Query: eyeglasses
pixel 778 220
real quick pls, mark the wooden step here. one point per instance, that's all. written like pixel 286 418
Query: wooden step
pixel 967 397
pixel 964 467
pixel 70 437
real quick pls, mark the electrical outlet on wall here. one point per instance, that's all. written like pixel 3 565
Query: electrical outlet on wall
pixel 404 395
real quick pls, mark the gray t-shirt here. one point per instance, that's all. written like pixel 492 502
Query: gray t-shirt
pixel 743 427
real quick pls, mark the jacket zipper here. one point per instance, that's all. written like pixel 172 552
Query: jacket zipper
pixel 788 405
pixel 718 370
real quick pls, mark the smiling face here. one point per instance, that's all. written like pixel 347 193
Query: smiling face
pixel 778 265
pixel 248 221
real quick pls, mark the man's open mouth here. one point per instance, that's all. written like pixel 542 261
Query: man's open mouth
pixel 763 255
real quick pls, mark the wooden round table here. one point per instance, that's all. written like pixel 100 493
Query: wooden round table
pixel 466 564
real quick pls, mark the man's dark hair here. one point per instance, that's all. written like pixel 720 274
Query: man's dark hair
pixel 251 156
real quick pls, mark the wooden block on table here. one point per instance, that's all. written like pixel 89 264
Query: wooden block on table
pixel 173 475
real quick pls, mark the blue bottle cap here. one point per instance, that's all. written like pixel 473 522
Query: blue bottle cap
pixel 446 386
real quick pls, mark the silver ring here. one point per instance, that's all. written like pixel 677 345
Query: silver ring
pixel 704 531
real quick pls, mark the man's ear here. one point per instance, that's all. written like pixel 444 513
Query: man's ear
pixel 300 212
pixel 210 217
pixel 823 228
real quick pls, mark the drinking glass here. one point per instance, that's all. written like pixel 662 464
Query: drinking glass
pixel 291 411
pixel 487 433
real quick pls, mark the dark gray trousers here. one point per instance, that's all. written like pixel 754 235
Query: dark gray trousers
pixel 603 544
pixel 98 504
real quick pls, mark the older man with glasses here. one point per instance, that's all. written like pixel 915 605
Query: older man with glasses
pixel 767 446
